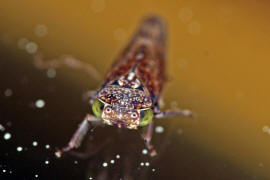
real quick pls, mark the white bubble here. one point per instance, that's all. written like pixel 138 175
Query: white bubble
pixel 7 136
pixel 98 6
pixel 112 161
pixel 185 14
pixel 144 151
pixel 47 162
pixel 51 73
pixel 153 170
pixel 19 148
pixel 194 28
pixel 147 164
pixel 90 178
pixel 36 176
pixel 159 129
pixel 105 164
pixel 22 43
pixel 142 164
pixel 75 162
pixel 35 143
pixel 117 156
pixel 8 92
pixel 40 103
pixel 4 170
pixel 31 47
pixel 41 30
pixel 47 146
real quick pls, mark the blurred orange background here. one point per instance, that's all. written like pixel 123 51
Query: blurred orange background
pixel 218 61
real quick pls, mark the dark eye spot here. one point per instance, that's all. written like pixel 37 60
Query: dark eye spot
pixel 115 83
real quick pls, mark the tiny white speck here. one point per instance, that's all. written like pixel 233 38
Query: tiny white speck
pixel 47 146
pixel 36 176
pixel 153 170
pixel 90 178
pixel 159 129
pixel 142 164
pixel 35 143
pixel 31 47
pixel 40 103
pixel 117 156
pixel 51 73
pixel 47 162
pixel 144 151
pixel 105 164
pixel 4 170
pixel 7 136
pixel 147 164
pixel 8 92
pixel 112 161
pixel 75 162
pixel 19 148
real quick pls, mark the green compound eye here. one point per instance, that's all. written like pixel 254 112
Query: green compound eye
pixel 146 117
pixel 97 107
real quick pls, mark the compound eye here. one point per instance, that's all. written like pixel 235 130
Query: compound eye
pixel 97 107
pixel 146 117
pixel 108 110
pixel 134 115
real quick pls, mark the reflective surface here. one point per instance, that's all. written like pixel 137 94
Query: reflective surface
pixel 218 59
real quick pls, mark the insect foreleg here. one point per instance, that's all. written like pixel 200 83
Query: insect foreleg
pixel 78 136
pixel 177 112
pixel 147 136
pixel 65 60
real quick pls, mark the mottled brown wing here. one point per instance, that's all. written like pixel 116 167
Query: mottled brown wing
pixel 146 54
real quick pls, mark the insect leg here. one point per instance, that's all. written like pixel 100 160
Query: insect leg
pixel 78 136
pixel 147 136
pixel 65 60
pixel 177 112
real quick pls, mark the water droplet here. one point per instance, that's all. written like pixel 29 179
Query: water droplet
pixel 105 164
pixel 41 30
pixel 185 14
pixel 40 103
pixel 2 128
pixel 159 129
pixel 98 6
pixel 19 148
pixel 7 136
pixel 120 34
pixel 144 151
pixel 8 92
pixel 35 143
pixel 22 43
pixel 194 28
pixel 31 47
pixel 51 73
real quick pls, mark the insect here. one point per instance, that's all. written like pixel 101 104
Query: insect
pixel 129 96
